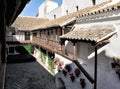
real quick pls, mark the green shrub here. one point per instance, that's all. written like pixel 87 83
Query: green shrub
pixel 50 63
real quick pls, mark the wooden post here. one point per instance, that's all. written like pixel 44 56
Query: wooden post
pixel 63 30
pixel 56 35
pixel 95 69
pixel 63 46
pixel 3 31
pixel 74 51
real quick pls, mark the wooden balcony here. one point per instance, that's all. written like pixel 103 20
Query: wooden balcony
pixel 51 45
pixel 14 39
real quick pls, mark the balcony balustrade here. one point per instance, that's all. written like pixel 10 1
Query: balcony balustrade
pixel 48 44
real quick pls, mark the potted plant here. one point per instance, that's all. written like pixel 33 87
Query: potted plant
pixel 56 62
pixel 82 82
pixel 77 72
pixel 68 68
pixel 72 77
pixel 64 72
pixel 60 66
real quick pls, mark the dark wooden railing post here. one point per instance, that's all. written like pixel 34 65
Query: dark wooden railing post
pixel 63 46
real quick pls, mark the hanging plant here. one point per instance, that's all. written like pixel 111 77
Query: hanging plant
pixel 72 77
pixel 77 72
pixel 82 83
pixel 64 72
pixel 68 68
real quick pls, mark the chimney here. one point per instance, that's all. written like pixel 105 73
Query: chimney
pixel 54 16
pixel 67 12
pixel 77 8
pixel 94 2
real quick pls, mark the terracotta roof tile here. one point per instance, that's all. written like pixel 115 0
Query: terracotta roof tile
pixel 88 34
pixel 63 19
pixel 28 23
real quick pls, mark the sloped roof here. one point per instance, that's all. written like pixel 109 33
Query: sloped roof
pixel 108 7
pixel 92 34
pixel 28 23
pixel 35 23
pixel 70 17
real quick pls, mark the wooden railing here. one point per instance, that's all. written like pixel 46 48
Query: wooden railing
pixel 51 45
pixel 47 43
pixel 15 39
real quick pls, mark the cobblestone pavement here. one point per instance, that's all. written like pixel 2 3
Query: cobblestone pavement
pixel 29 75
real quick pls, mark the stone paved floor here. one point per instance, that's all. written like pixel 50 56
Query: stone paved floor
pixel 30 75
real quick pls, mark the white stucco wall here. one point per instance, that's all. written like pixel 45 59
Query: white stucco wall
pixel 107 78
pixel 46 7
pixel 71 5
pixel 57 11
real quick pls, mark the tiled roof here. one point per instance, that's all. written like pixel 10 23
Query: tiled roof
pixel 34 23
pixel 107 7
pixel 28 23
pixel 92 34
pixel 65 18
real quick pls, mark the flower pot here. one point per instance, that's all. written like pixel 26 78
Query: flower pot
pixel 82 83
pixel 64 72
pixel 77 72
pixel 68 68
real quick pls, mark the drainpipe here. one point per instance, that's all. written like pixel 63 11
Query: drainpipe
pixel 95 69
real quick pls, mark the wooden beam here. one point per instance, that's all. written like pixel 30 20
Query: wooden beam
pixel 63 30
pixel 63 46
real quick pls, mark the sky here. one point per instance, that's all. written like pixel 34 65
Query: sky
pixel 31 9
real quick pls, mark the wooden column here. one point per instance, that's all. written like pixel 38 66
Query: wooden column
pixel 2 31
pixel 56 35
pixel 74 51
pixel 63 46
pixel 95 69
pixel 63 30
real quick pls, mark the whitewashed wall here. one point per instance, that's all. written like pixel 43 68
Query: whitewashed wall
pixel 57 11
pixel 46 7
pixel 71 5
pixel 107 78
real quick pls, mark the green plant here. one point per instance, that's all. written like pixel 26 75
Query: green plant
pixel 28 48
pixel 43 57
pixel 51 66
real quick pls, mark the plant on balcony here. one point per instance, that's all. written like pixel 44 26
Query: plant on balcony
pixel 77 72
pixel 43 57
pixel 60 66
pixel 56 62
pixel 50 65
pixel 82 82
pixel 64 72
pixel 72 77
pixel 68 68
